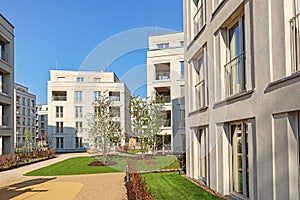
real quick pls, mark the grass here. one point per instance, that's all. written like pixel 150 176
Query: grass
pixel 79 165
pixel 171 185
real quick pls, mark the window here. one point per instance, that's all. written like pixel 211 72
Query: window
pixel 42 117
pixel 166 116
pixel 80 79
pixel 97 80
pixel 59 127
pixel 59 111
pixel 182 69
pixel 28 102
pixel 201 136
pixel 164 94
pixel 181 43
pixel 96 110
pixel 97 95
pixel 59 142
pixel 23 101
pixel 240 163
pixel 114 96
pixel 199 85
pixel 78 142
pixel 295 37
pixel 235 68
pixel 60 78
pixel 28 121
pixel 163 46
pixel 199 16
pixel 2 50
pixel 78 126
pixel 78 96
pixel 182 91
pixel 78 111
pixel 115 111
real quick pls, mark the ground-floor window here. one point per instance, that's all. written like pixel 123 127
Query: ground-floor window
pixel 59 142
pixel 78 142
pixel 240 161
pixel 201 136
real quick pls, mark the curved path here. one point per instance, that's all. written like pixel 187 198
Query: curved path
pixel 13 185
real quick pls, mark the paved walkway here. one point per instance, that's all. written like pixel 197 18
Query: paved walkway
pixel 13 185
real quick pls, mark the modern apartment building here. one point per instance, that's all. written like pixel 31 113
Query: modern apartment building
pixel 165 77
pixel 72 97
pixel 24 116
pixel 7 122
pixel 242 96
pixel 42 125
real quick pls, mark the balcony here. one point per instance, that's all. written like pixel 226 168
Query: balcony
pixel 162 75
pixel 114 96
pixel 163 93
pixel 235 75
pixel 166 123
pixel 295 43
pixel 59 96
pixel 162 71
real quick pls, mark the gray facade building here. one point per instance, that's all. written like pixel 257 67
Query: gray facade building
pixel 7 122
pixel 242 96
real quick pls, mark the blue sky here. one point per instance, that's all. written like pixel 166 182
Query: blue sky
pixel 66 31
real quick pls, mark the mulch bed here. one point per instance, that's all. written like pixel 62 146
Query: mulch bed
pixel 100 163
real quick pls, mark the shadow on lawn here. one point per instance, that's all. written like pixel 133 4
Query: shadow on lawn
pixel 17 189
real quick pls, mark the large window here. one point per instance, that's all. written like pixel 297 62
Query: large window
pixel 2 51
pixel 78 96
pixel 80 79
pixel 114 96
pixel 235 67
pixel 78 126
pixel 97 95
pixel 199 17
pixel 115 111
pixel 240 159
pixel 59 127
pixel 78 111
pixel 163 46
pixel 201 136
pixel 162 71
pixel 295 37
pixel 182 69
pixel 59 142
pixel 59 112
pixel 78 142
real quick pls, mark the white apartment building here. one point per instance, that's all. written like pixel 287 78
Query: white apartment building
pixel 42 124
pixel 165 77
pixel 72 97
pixel 24 116
pixel 7 122
pixel 242 96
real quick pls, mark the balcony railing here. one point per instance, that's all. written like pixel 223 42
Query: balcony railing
pixel 114 98
pixel 162 75
pixel 59 98
pixel 235 75
pixel 295 43
pixel 165 99
pixel 200 94
pixel 198 20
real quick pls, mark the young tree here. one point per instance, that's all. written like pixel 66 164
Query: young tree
pixel 103 130
pixel 27 135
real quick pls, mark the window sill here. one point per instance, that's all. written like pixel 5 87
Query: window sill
pixel 6 63
pixel 218 8
pixel 199 110
pixel 232 98
pixel 196 36
pixel 283 82
pixel 287 78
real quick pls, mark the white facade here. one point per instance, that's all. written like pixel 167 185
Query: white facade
pixel 42 124
pixel 71 101
pixel 24 116
pixel 242 97
pixel 165 76
pixel 7 122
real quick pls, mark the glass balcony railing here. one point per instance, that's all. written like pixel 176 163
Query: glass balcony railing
pixel 235 75
pixel 162 75
pixel 295 43
pixel 114 98
pixel 59 98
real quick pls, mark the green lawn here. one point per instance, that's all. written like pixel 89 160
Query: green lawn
pixel 174 186
pixel 79 165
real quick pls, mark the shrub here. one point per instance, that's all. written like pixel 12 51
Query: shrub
pixel 136 187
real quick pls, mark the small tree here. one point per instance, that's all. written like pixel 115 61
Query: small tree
pixel 27 135
pixel 103 130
